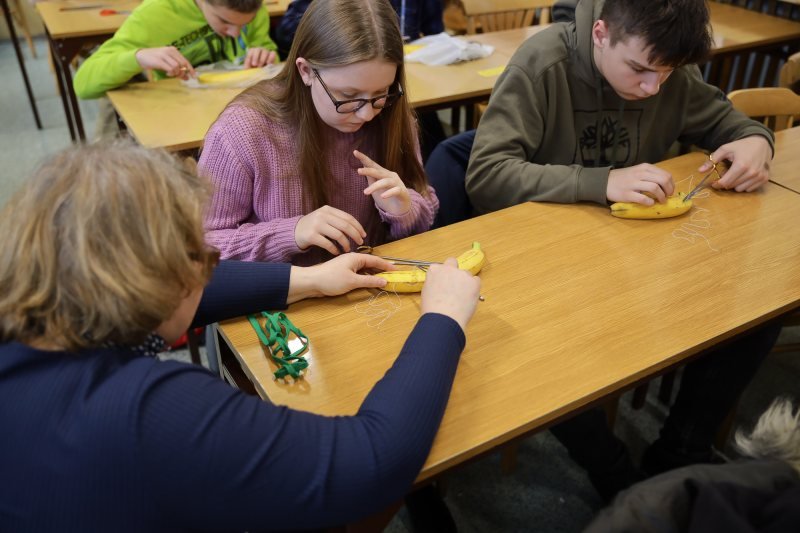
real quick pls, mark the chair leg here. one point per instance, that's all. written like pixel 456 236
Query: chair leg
pixel 508 460
pixel 665 390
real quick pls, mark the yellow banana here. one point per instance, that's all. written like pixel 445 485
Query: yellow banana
pixel 412 280
pixel 214 78
pixel 673 207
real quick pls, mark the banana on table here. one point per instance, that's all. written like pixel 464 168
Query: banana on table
pixel 673 207
pixel 412 280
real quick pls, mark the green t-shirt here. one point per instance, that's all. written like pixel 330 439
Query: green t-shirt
pixel 157 23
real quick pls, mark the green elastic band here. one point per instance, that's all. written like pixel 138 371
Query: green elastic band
pixel 274 334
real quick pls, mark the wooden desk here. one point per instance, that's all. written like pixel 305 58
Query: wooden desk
pixel 167 115
pixel 68 32
pixel 744 38
pixel 578 306
pixel 786 171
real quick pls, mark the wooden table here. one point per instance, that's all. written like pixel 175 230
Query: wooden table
pixel 578 306
pixel 745 38
pixel 70 31
pixel 166 114
pixel 785 171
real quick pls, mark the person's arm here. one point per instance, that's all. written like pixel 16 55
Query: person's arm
pixel 228 222
pixel 256 33
pixel 500 173
pixel 287 27
pixel 228 460
pixel 114 63
pixel 431 20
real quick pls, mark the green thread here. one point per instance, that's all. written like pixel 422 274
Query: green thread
pixel 274 334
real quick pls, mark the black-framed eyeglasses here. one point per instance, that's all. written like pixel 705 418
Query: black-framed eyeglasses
pixel 351 106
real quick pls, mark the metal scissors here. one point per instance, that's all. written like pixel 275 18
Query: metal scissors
pixel 700 185
pixel 365 249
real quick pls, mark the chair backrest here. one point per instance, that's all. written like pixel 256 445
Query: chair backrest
pixel 790 73
pixel 776 106
pixel 495 15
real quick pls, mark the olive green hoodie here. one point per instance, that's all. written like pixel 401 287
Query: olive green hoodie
pixel 554 128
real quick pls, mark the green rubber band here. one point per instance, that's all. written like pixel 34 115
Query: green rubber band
pixel 274 334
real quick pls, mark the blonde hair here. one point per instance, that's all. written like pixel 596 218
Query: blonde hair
pixel 99 246
pixel 336 33
pixel 775 436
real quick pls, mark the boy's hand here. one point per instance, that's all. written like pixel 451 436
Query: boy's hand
pixel 258 57
pixel 385 186
pixel 630 184
pixel 166 58
pixel 327 226
pixel 749 168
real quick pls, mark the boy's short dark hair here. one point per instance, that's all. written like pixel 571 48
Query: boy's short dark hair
pixel 240 6
pixel 676 31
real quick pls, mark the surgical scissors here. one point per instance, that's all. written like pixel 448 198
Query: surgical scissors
pixel 703 181
pixel 365 249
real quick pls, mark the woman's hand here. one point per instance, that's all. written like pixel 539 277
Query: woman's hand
pixel 451 292
pixel 385 186
pixel 166 58
pixel 337 276
pixel 326 226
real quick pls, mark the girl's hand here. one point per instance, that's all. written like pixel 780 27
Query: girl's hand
pixel 450 291
pixel 385 186
pixel 258 57
pixel 327 226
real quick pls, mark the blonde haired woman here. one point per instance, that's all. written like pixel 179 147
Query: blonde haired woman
pixel 325 156
pixel 103 260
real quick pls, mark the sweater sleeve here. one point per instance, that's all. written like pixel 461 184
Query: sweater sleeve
pixel 230 223
pixel 114 63
pixel 217 458
pixel 419 217
pixel 500 172
pixel 238 288
pixel 711 118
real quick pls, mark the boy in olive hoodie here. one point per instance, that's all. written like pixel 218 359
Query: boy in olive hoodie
pixel 578 115
pixel 171 37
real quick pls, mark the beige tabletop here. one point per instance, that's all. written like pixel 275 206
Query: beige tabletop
pixel 168 115
pixel 578 306
pixel 736 28
pixel 63 22
pixel 784 171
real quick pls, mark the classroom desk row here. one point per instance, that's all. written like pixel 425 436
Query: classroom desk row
pixel 579 306
pixel 75 25
pixel 166 114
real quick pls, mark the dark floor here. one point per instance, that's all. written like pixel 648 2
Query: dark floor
pixel 546 492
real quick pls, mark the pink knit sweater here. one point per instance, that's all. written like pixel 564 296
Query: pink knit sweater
pixel 253 164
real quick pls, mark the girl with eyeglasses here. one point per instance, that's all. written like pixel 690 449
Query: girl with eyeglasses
pixel 103 261
pixel 325 156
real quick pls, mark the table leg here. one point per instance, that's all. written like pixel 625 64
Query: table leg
pixel 21 61
pixel 76 111
pixel 62 92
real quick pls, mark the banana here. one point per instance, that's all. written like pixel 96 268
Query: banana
pixel 673 207
pixel 215 78
pixel 412 280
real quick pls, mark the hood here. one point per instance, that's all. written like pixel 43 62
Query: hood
pixel 580 39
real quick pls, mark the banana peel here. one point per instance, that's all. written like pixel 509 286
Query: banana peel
pixel 412 280
pixel 673 207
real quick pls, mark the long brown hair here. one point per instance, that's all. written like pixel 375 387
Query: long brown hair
pixel 99 246
pixel 336 33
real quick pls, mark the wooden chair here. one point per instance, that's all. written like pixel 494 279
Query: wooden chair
pixel 790 73
pixel 775 106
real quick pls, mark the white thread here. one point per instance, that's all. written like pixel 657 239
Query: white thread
pixel 690 231
pixel 379 307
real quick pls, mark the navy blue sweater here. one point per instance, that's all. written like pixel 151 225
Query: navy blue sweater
pixel 420 17
pixel 105 440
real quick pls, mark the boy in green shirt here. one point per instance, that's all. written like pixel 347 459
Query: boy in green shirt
pixel 171 37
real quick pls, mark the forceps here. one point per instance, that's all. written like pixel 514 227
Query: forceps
pixel 364 249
